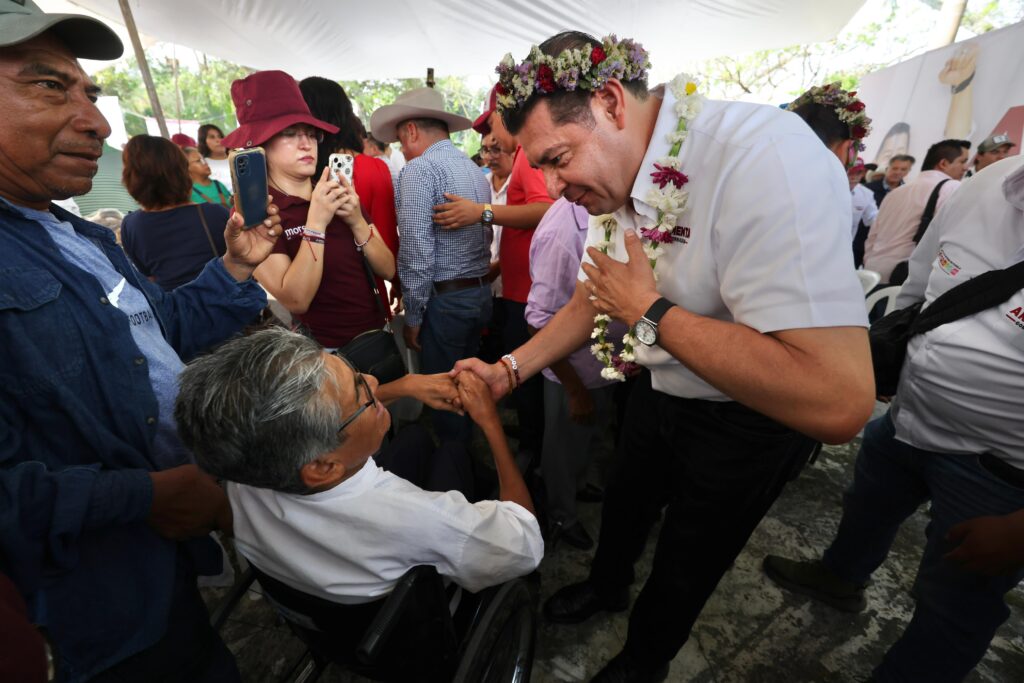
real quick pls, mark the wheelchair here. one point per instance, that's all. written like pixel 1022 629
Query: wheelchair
pixel 410 635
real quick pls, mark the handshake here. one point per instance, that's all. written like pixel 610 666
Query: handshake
pixel 460 391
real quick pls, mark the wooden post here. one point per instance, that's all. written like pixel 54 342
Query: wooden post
pixel 147 77
pixel 430 77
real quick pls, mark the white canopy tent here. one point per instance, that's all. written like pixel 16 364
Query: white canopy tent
pixel 380 39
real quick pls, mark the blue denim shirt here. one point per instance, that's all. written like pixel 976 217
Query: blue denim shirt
pixel 77 425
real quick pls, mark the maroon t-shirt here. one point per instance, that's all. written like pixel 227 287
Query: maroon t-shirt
pixel 343 307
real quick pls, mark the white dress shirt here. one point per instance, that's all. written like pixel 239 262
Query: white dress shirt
pixel 352 543
pixel 864 207
pixel 962 385
pixel 764 240
pixel 498 198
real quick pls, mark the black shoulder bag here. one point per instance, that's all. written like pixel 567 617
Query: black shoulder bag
pixel 375 352
pixel 902 269
pixel 889 335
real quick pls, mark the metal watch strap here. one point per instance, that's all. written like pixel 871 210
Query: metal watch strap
pixel 657 310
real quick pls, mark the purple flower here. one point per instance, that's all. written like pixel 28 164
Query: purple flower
pixel 626 368
pixel 665 175
pixel 655 235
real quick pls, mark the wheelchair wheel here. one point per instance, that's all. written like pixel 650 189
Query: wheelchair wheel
pixel 500 649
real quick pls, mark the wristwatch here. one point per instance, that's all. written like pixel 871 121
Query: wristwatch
pixel 487 217
pixel 647 327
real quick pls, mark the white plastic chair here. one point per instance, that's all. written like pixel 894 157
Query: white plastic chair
pixel 889 294
pixel 869 279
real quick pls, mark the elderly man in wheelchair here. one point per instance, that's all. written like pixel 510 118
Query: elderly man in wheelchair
pixel 350 553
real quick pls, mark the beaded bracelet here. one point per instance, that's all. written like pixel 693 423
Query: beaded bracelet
pixel 368 238
pixel 508 371
pixel 515 367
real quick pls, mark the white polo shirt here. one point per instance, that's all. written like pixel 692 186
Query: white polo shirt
pixel 962 385
pixel 352 543
pixel 764 240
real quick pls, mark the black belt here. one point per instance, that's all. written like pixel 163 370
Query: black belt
pixel 1001 469
pixel 460 283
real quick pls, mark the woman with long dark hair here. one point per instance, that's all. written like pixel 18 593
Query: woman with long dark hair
pixel 371 177
pixel 215 153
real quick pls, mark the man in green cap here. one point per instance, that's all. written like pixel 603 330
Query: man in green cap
pixel 104 518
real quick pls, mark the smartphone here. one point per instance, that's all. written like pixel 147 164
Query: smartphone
pixel 341 165
pixel 249 176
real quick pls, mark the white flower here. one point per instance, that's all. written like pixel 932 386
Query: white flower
pixel 667 221
pixel 670 162
pixel 684 84
pixel 653 250
pixel 630 340
pixel 596 333
pixel 603 246
pixel 628 356
pixel 676 136
pixel 612 373
pixel 666 200
pixel 602 318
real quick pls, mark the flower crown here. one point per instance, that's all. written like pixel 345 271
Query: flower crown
pixel 586 68
pixel 848 108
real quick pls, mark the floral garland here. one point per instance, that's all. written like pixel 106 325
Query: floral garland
pixel 670 200
pixel 848 108
pixel 585 68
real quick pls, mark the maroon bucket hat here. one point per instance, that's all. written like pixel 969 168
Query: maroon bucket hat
pixel 266 103
pixel 482 124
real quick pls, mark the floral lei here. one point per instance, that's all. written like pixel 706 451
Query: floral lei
pixel 585 68
pixel 848 108
pixel 670 199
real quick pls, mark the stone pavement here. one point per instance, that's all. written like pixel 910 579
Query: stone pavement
pixel 750 630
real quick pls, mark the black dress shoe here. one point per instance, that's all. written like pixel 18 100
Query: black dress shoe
pixel 579 601
pixel 625 669
pixel 574 534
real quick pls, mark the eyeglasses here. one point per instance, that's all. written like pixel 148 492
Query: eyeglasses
pixel 292 135
pixel 360 382
pixel 490 151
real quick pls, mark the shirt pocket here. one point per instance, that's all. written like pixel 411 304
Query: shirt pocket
pixel 41 341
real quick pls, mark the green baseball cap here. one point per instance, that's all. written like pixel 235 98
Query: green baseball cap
pixel 22 20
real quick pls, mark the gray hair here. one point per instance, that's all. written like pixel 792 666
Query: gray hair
pixel 253 411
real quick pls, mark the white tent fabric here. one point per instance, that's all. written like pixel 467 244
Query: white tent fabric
pixel 376 39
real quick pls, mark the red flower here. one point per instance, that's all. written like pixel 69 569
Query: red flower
pixel 655 235
pixel 597 55
pixel 500 89
pixel 858 132
pixel 665 175
pixel 855 106
pixel 852 93
pixel 545 78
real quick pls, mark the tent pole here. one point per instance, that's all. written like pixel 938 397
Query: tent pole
pixel 147 77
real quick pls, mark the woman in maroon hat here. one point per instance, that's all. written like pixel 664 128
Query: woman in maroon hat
pixel 316 269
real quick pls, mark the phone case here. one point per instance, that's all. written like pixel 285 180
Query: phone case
pixel 249 176
pixel 341 165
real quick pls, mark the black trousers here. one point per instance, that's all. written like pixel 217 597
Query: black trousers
pixel 716 468
pixel 190 651
pixel 528 399
pixel 413 456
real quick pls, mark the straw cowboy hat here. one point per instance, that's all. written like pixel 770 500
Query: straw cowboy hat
pixel 419 103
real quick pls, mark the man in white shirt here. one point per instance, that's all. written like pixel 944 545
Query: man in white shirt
pixel 953 436
pixel 863 200
pixel 297 434
pixel 891 239
pixel 499 171
pixel 753 332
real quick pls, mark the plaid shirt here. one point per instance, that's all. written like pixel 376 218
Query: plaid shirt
pixel 428 253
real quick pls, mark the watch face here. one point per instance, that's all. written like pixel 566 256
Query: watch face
pixel 487 217
pixel 646 332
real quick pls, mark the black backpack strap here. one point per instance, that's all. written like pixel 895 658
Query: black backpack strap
pixel 976 295
pixel 929 211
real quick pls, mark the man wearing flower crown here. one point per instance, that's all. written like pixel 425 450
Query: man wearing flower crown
pixel 750 327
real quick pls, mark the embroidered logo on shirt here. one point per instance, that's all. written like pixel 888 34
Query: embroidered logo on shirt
pixel 949 267
pixel 681 235
pixel 114 296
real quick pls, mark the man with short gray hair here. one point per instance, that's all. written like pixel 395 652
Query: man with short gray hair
pixel 297 432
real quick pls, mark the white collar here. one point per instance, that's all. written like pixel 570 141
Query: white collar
pixel 657 148
pixel 358 483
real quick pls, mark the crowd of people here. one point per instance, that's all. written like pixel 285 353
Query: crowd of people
pixel 630 256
